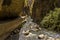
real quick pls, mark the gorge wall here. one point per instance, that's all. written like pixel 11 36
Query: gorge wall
pixel 10 8
pixel 41 7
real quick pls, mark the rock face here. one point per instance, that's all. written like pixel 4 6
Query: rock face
pixel 10 8
pixel 41 7
pixel 1 4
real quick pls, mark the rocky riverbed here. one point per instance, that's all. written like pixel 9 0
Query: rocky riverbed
pixel 32 31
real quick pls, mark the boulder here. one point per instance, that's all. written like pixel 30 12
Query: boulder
pixel 10 8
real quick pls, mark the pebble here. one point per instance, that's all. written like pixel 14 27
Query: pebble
pixel 23 16
pixel 35 30
pixel 41 36
pixel 51 38
pixel 17 31
pixel 57 39
pixel 31 35
pixel 26 32
pixel 46 37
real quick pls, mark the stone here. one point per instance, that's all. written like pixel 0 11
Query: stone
pixel 26 32
pixel 57 39
pixel 41 36
pixel 13 10
pixel 46 37
pixel 50 38
pixel 35 30
pixel 31 35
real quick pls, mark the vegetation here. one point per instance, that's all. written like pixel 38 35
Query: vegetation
pixel 52 20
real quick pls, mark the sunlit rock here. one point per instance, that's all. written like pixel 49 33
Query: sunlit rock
pixel 41 36
pixel 26 32
pixel 57 39
pixel 12 9
pixel 31 35
pixel 50 38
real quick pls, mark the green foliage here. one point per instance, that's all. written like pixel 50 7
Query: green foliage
pixel 52 20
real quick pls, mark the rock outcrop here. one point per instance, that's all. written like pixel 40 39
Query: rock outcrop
pixel 42 7
pixel 10 8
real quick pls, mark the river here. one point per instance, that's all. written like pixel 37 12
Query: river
pixel 27 26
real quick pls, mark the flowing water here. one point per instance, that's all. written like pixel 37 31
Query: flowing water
pixel 29 23
pixel 27 26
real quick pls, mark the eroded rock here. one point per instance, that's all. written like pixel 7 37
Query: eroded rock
pixel 41 36
pixel 12 9
pixel 26 32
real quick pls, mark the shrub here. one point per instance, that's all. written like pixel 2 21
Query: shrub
pixel 52 20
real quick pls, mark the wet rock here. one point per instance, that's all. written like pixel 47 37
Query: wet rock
pixel 34 30
pixel 25 16
pixel 46 37
pixel 50 38
pixel 31 35
pixel 35 27
pixel 17 31
pixel 26 32
pixel 57 39
pixel 41 36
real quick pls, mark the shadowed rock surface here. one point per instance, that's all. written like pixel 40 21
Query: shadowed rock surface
pixel 8 26
pixel 42 7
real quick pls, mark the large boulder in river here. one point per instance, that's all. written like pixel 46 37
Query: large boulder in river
pixel 10 8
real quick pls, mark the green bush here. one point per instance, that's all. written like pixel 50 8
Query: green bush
pixel 52 20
